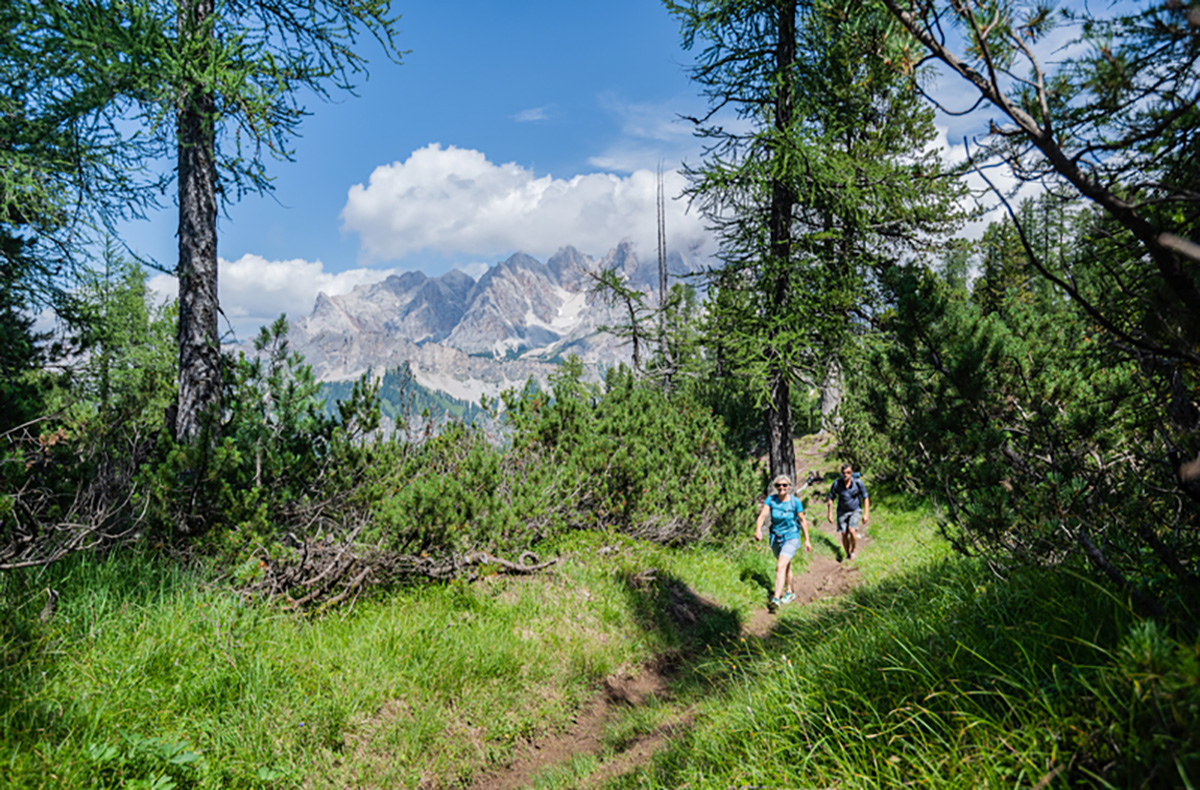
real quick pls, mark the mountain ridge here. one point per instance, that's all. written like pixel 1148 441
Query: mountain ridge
pixel 471 337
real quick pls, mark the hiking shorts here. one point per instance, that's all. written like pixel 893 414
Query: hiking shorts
pixel 849 520
pixel 785 548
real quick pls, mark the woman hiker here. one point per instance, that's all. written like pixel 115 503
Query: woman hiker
pixel 787 519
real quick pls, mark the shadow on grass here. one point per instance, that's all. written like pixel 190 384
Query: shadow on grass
pixel 758 579
pixel 664 603
pixel 823 541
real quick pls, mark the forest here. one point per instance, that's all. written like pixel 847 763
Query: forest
pixel 212 577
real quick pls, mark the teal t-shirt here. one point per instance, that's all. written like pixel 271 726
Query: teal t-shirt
pixel 785 518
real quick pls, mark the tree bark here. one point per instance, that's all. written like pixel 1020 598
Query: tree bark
pixel 781 453
pixel 199 351
pixel 831 395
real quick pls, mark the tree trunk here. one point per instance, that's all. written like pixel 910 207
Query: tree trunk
pixel 779 412
pixel 781 453
pixel 831 395
pixel 199 351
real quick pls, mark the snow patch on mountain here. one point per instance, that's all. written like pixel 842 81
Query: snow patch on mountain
pixel 469 337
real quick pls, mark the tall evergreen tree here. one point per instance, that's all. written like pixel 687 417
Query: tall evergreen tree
pixel 261 54
pixel 229 116
pixel 833 177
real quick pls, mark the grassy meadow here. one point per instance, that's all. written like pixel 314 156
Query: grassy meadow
pixel 934 672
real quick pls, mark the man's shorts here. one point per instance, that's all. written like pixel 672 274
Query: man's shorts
pixel 785 548
pixel 849 520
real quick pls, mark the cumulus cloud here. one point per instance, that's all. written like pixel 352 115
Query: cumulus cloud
pixel 255 291
pixel 454 201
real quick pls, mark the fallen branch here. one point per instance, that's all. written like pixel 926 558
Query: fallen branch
pixel 327 573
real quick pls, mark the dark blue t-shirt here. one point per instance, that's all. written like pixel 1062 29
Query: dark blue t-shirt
pixel 785 517
pixel 848 499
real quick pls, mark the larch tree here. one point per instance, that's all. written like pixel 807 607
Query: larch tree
pixel 827 174
pixel 68 173
pixel 234 73
pixel 747 61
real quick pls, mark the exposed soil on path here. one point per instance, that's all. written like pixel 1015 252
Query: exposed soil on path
pixel 827 575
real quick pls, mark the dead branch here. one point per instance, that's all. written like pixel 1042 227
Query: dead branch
pixel 42 525
pixel 328 572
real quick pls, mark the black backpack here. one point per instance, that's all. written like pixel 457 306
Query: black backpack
pixel 855 481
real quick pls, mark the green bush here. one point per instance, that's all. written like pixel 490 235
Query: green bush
pixel 278 461
pixel 1039 439
pixel 579 456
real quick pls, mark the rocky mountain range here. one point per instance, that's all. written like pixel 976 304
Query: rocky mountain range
pixel 468 337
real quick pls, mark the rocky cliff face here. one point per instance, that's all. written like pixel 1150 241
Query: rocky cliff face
pixel 469 338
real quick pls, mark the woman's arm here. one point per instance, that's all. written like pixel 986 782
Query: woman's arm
pixel 763 515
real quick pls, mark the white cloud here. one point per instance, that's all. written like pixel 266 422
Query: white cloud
pixel 651 133
pixel 530 115
pixel 981 196
pixel 454 201
pixel 255 291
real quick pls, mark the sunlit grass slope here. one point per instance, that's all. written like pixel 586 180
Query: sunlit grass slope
pixel 148 676
pixel 935 672
pixel 938 673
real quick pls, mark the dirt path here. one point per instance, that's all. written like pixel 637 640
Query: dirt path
pixel 826 575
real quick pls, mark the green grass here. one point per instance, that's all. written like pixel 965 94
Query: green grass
pixel 448 677
pixel 147 673
pixel 938 673
pixel 935 672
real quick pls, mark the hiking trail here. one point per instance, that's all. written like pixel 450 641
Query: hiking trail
pixel 827 575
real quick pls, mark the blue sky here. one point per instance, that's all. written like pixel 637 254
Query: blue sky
pixel 509 126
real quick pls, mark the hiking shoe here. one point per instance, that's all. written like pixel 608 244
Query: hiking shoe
pixel 788 597
pixel 773 605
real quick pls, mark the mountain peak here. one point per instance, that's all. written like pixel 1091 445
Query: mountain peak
pixel 467 336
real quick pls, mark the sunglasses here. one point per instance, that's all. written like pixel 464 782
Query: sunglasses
pixel 781 485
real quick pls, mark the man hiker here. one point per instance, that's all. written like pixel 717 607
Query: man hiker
pixel 853 507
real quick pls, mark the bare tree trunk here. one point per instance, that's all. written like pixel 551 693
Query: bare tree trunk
pixel 199 352
pixel 779 413
pixel 663 345
pixel 780 451
pixel 831 395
